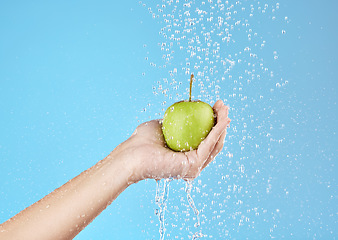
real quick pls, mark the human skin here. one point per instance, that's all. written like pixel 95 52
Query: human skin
pixel 63 213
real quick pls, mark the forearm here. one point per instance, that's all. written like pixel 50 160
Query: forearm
pixel 66 211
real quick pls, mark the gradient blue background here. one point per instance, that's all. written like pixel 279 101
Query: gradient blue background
pixel 74 83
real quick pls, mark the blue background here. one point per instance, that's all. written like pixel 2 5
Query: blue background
pixel 77 77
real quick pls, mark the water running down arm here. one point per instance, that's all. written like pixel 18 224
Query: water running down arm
pixel 63 213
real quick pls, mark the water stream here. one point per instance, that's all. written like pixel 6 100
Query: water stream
pixel 191 202
pixel 162 194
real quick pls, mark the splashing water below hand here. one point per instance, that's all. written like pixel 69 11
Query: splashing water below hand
pixel 188 189
pixel 161 197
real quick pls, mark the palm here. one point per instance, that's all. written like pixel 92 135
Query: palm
pixel 158 161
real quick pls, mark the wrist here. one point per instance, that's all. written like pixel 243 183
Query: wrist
pixel 124 163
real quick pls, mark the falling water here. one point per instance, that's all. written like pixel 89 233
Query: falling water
pixel 162 193
pixel 225 45
pixel 188 189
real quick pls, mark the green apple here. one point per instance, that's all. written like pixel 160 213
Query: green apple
pixel 187 123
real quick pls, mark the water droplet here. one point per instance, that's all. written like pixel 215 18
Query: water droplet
pixel 200 36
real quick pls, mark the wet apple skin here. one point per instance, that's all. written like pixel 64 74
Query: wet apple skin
pixel 186 124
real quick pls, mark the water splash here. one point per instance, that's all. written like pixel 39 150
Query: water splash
pixel 191 202
pixel 226 46
pixel 162 194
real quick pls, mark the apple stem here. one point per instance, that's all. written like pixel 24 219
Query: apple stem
pixel 191 77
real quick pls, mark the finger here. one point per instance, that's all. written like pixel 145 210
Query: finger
pixel 218 148
pixel 218 105
pixel 208 144
pixel 147 129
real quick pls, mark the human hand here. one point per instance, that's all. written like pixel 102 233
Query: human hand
pixel 149 156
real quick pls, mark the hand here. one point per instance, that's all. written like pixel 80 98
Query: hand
pixel 143 155
pixel 151 158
